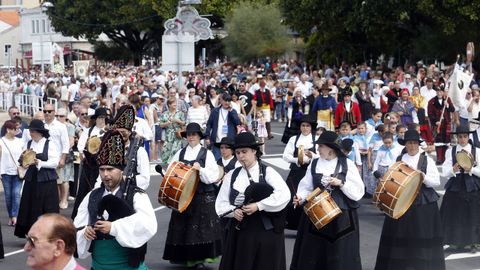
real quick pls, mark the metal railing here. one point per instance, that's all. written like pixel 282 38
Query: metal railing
pixel 28 105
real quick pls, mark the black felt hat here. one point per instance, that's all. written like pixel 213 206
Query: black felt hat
pixel 39 126
pixel 193 128
pixel 100 112
pixel 331 139
pixel 226 141
pixel 410 135
pixel 309 119
pixel 463 130
pixel 246 139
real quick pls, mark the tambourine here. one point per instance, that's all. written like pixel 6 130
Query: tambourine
pixel 93 144
pixel 465 160
pixel 27 158
pixel 301 152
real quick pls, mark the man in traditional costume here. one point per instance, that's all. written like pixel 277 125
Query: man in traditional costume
pixel 347 110
pixel 116 220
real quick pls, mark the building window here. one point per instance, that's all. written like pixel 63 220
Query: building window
pixel 33 27
pixel 43 26
pixel 37 26
pixel 8 49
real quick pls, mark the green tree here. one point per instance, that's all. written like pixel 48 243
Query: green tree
pixel 131 24
pixel 255 30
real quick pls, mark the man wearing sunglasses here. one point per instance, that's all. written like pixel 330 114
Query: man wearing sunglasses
pixel 14 114
pixel 51 243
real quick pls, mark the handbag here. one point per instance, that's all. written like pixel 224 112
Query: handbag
pixel 178 132
pixel 20 170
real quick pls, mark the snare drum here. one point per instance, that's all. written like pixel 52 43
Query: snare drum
pixel 465 160
pixel 321 208
pixel 178 186
pixel 397 189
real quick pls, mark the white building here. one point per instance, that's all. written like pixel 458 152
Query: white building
pixel 10 36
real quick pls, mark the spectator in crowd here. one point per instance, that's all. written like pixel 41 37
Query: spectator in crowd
pixel 65 174
pixel 171 121
pixel 51 243
pixel 14 112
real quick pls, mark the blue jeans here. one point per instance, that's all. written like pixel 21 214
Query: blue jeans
pixel 12 186
pixel 279 109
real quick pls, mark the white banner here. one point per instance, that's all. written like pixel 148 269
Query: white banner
pixel 459 85
pixel 80 68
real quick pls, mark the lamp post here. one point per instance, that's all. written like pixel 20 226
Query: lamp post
pixel 44 6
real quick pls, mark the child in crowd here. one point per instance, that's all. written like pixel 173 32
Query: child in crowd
pixel 386 156
pixel 374 122
pixel 243 127
pixel 360 140
pixel 400 131
pixel 345 133
pixel 375 142
pixel 262 130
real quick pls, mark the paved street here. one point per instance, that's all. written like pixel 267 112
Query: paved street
pixel 370 227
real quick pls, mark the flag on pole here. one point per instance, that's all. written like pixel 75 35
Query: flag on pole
pixel 459 85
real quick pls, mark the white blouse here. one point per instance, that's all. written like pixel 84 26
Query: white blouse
pixel 274 203
pixel 208 174
pixel 306 141
pixel 10 149
pixel 353 186
pixel 447 168
pixel 432 177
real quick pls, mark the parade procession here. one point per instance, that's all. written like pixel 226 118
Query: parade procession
pixel 239 135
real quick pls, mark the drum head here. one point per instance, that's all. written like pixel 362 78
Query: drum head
pixel 188 190
pixel 465 160
pixel 221 173
pixel 408 195
pixel 28 157
pixel 93 144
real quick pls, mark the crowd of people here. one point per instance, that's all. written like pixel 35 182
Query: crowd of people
pixel 344 127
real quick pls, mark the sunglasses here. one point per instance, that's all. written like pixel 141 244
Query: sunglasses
pixel 31 240
pixel 16 113
pixel 48 111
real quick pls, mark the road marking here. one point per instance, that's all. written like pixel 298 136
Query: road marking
pixel 272 155
pixel 458 256
pixel 159 208
pixel 278 162
pixel 14 252
pixel 275 133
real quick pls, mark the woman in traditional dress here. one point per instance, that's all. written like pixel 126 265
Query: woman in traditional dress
pixel 460 210
pixel 255 238
pixel 336 245
pixel 415 240
pixel 296 108
pixel 304 145
pixel 404 107
pixel 194 236
pixel 171 121
pixel 40 195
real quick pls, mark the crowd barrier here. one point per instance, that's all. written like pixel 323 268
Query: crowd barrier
pixel 28 105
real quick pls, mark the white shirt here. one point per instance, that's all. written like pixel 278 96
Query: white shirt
pixel 353 187
pixel 306 141
pixel 222 120
pixel 53 154
pixel 71 265
pixel 306 88
pixel 209 173
pixel 59 135
pixel 198 115
pixel 432 177
pixel 73 89
pixel 143 129
pixel 274 203
pixel 447 168
pixel 384 159
pixel 428 94
pixel 131 232
pixel 10 148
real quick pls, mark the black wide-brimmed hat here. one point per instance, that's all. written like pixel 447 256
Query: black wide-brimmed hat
pixel 225 141
pixel 348 92
pixel 246 139
pixel 100 112
pixel 331 139
pixel 39 126
pixel 410 135
pixel 347 144
pixel 463 130
pixel 193 128
pixel 309 119
pixel 112 150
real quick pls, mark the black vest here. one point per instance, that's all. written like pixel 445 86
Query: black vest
pixel 426 194
pixel 463 181
pixel 341 199
pixel 270 220
pixel 135 255
pixel 201 159
pixel 230 166
pixel 260 101
pixel 44 174
pixel 294 166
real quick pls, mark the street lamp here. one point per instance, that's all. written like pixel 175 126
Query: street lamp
pixel 44 6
